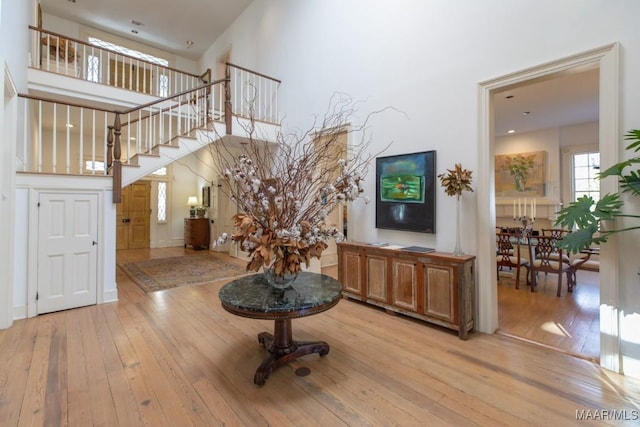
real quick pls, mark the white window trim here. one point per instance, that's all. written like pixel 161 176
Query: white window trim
pixel 567 168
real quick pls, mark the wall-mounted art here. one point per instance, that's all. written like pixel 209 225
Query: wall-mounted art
pixel 521 174
pixel 405 192
pixel 206 196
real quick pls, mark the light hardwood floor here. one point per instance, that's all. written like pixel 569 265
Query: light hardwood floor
pixel 569 323
pixel 176 358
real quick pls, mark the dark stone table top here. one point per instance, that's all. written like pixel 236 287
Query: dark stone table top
pixel 251 296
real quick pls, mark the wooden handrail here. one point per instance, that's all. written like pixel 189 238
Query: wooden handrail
pixel 229 64
pixel 117 53
pixel 184 92
pixel 57 101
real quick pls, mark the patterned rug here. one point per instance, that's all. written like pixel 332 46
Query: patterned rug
pixel 165 273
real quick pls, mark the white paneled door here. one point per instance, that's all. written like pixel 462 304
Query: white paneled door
pixel 67 251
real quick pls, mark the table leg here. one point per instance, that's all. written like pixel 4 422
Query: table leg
pixel 283 349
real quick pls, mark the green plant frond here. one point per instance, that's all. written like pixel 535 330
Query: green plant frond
pixel 581 239
pixel 631 183
pixel 608 206
pixel 578 213
pixel 616 170
pixel 633 135
pixel 583 214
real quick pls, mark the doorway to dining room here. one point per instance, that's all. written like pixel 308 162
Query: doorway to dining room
pixel 550 114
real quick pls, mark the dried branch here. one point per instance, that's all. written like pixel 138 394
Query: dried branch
pixel 285 189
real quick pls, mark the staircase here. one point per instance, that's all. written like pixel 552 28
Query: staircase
pixel 133 143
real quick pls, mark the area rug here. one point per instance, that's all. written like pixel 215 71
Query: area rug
pixel 165 273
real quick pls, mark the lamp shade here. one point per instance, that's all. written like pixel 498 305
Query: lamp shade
pixel 192 201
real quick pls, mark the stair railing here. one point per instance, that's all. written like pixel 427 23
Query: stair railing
pixel 67 138
pixel 144 128
pixel 60 54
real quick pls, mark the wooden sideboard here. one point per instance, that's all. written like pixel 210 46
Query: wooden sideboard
pixel 196 233
pixel 435 287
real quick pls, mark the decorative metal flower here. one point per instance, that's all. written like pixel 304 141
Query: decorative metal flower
pixel 456 180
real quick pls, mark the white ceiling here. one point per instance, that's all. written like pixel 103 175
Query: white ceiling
pixel 555 101
pixel 166 24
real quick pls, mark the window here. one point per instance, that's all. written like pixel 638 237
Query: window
pixel 126 51
pixel 163 90
pixel 586 167
pixel 93 68
pixel 94 166
pixel 162 201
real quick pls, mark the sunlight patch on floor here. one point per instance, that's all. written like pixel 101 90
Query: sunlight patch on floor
pixel 555 328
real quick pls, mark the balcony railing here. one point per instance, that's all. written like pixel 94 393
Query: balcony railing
pixel 67 138
pixel 74 139
pixel 59 54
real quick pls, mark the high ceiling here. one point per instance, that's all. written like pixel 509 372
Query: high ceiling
pixel 165 24
pixel 555 101
pixel 559 100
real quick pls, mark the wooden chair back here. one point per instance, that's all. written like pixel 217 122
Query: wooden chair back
pixel 508 254
pixel 556 233
pixel 547 257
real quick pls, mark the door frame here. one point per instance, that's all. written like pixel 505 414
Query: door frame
pixel 606 58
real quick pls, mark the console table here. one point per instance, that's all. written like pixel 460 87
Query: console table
pixel 436 287
pixel 251 296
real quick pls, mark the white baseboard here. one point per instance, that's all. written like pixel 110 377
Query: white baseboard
pixel 110 296
pixel 20 312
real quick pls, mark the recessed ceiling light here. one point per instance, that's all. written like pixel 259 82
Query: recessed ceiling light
pixel 70 125
pixel 526 113
pixel 508 96
pixel 137 23
pixel 511 131
pixel 190 43
pixel 134 31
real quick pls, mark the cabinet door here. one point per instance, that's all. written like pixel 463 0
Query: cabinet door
pixel 404 285
pixel 440 292
pixel 350 276
pixel 376 278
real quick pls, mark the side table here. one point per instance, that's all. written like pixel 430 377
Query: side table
pixel 251 296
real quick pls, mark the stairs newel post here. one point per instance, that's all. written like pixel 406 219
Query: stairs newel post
pixel 227 99
pixel 117 164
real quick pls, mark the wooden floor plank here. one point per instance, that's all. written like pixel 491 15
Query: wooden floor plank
pixel 175 357
pixel 15 369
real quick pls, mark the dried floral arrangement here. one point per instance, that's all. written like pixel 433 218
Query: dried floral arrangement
pixel 285 190
pixel 456 180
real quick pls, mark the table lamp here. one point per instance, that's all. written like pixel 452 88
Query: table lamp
pixel 192 201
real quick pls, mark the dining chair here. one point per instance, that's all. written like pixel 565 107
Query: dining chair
pixel 508 255
pixel 547 257
pixel 556 233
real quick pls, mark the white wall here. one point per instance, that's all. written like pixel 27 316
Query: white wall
pixel 427 59
pixel 14 17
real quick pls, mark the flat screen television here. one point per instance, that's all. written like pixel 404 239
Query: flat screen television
pixel 406 192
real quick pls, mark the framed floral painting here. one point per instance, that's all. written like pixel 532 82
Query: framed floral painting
pixel 521 174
